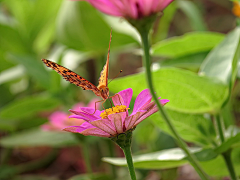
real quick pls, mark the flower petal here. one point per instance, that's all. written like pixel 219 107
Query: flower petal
pixel 131 120
pixel 126 97
pixel 106 7
pixel 105 125
pixel 87 129
pixel 118 120
pixel 142 100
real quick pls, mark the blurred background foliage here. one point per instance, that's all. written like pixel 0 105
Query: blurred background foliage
pixel 188 41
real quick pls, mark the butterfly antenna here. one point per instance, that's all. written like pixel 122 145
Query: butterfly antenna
pixel 115 76
pixel 109 44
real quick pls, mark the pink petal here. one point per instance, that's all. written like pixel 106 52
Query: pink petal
pixel 83 115
pixel 105 125
pixel 86 129
pixel 58 116
pixel 117 120
pixel 142 100
pixel 146 115
pixel 91 111
pixel 126 97
pixel 164 101
pixel 106 7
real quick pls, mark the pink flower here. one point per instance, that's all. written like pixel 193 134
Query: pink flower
pixel 59 120
pixel 115 120
pixel 134 9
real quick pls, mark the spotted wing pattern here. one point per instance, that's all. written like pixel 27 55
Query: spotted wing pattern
pixel 103 79
pixel 72 77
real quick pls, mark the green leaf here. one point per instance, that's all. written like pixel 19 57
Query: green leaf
pixel 35 21
pixel 169 158
pixel 83 36
pixel 192 61
pixel 37 137
pixel 27 107
pixel 217 167
pixel 35 68
pixel 221 62
pixel 11 35
pixel 187 92
pixel 193 13
pixel 193 128
pixel 233 140
pixel 189 43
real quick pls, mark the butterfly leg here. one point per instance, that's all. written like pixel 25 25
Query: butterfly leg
pixel 96 106
pixel 118 98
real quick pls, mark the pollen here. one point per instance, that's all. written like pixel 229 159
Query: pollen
pixel 113 110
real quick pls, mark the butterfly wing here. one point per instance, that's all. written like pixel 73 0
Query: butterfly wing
pixel 103 79
pixel 71 76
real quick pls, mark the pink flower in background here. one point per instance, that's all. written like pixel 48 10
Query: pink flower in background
pixel 59 120
pixel 134 9
pixel 115 120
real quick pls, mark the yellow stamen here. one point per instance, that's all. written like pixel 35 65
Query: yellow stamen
pixel 113 110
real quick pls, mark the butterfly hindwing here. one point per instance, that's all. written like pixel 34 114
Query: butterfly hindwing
pixel 71 76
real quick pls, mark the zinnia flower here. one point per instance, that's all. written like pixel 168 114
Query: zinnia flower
pixel 59 119
pixel 134 9
pixel 116 120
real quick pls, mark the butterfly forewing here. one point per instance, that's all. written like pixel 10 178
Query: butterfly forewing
pixel 103 79
pixel 71 76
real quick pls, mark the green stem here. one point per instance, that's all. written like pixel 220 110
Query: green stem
pixel 128 155
pixel 226 155
pixel 228 161
pixel 220 127
pixel 147 63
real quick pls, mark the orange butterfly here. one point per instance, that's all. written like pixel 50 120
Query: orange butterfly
pixel 102 88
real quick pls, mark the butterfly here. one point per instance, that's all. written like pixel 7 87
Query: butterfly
pixel 101 90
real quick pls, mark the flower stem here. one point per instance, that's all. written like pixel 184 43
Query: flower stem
pixel 128 155
pixel 226 155
pixel 219 127
pixel 228 161
pixel 147 63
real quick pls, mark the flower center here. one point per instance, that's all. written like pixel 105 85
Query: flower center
pixel 113 110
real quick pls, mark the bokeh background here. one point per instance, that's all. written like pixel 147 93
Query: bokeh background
pixel 75 35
